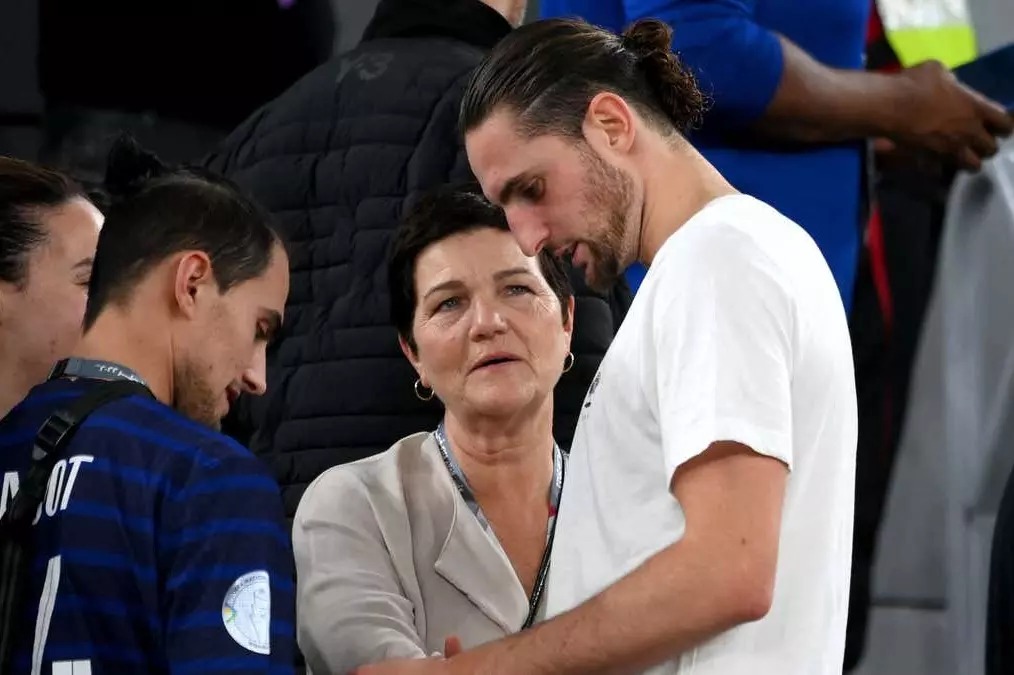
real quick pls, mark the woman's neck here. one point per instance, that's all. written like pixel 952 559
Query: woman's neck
pixel 504 458
pixel 18 380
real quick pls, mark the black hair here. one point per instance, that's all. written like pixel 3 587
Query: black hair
pixel 437 215
pixel 26 190
pixel 156 211
pixel 547 72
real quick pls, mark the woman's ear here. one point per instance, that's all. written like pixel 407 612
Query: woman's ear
pixel 410 353
pixel 568 324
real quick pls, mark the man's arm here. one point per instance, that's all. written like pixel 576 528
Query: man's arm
pixel 923 107
pixel 226 569
pixel 718 576
pixel 723 339
pixel 763 83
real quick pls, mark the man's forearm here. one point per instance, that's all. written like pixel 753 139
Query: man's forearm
pixel 676 600
pixel 818 104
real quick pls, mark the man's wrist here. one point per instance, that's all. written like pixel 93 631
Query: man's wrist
pixel 517 654
pixel 889 102
pixel 487 659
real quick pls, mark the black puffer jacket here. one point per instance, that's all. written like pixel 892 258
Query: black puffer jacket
pixel 334 159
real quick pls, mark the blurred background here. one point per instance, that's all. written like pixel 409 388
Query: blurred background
pixel 284 39
pixel 279 42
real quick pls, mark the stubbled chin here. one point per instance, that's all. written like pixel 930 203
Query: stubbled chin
pixel 596 282
pixel 220 413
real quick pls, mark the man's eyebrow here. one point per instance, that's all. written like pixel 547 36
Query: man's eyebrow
pixel 509 189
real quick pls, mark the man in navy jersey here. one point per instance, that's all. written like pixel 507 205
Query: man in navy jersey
pixel 160 545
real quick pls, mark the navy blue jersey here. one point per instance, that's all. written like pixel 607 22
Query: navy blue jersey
pixel 160 546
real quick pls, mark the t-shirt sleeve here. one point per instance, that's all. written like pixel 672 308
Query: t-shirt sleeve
pixel 723 325
pixel 227 571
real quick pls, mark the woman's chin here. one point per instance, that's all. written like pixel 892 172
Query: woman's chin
pixel 500 399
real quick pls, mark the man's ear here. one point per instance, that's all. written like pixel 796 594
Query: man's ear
pixel 193 277
pixel 609 123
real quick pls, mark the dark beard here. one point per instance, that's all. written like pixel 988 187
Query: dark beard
pixel 193 398
pixel 607 195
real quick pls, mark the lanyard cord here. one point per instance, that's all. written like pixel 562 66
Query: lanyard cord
pixel 555 492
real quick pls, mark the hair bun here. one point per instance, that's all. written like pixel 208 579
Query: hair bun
pixel 648 36
pixel 130 167
pixel 650 41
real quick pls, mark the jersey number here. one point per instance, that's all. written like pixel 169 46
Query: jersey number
pixel 46 604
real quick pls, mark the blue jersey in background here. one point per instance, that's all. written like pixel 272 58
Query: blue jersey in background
pixel 732 47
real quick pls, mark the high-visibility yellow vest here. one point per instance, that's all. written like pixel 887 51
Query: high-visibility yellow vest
pixel 920 30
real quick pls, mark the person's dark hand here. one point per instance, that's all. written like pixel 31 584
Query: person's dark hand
pixel 942 115
pixel 889 156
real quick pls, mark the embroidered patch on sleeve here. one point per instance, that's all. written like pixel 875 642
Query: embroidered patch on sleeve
pixel 246 611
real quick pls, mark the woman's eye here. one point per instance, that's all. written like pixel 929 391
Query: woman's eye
pixel 449 303
pixel 518 290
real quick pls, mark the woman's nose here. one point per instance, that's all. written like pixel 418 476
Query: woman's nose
pixel 487 319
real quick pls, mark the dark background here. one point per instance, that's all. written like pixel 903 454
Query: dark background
pixel 22 105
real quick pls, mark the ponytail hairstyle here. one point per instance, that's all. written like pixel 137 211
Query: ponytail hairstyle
pixel 26 191
pixel 157 211
pixel 547 72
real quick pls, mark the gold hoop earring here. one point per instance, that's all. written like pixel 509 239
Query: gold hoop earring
pixel 568 362
pixel 419 387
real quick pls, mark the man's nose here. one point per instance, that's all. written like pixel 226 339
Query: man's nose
pixel 528 229
pixel 255 379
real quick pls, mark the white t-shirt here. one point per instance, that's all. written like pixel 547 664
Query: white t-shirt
pixel 736 333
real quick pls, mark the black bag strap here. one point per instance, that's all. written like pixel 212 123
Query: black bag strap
pixel 53 436
pixel 15 526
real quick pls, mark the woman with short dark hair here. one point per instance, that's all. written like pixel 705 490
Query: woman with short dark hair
pixel 447 533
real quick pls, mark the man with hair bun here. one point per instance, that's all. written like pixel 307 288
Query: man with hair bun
pixel 707 522
pixel 792 106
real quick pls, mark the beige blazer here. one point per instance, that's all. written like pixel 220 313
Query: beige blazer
pixel 390 561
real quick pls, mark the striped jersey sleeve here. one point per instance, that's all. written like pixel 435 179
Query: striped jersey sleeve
pixel 226 561
pixel 160 546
